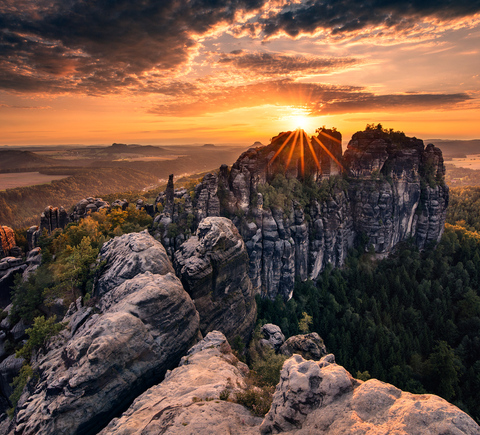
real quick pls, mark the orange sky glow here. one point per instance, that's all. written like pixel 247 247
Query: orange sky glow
pixel 235 72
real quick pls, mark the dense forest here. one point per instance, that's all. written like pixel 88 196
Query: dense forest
pixel 412 319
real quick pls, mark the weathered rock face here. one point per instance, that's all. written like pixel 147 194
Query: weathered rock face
pixel 213 269
pixel 111 353
pixel 272 336
pixel 7 241
pixel 396 189
pixel 127 256
pixel 309 346
pixel 187 401
pixel 392 189
pixel 322 397
pixel 88 205
pixel 53 218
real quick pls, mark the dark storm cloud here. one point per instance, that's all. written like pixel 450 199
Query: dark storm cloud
pixel 317 99
pixel 101 43
pixel 279 64
pixel 100 46
pixel 342 16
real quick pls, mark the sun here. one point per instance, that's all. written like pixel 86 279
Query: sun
pixel 302 122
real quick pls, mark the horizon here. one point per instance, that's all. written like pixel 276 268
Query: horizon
pixel 235 72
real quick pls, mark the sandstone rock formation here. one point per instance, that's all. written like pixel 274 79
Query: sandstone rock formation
pixel 392 189
pixel 309 346
pixel 272 336
pixel 141 325
pixel 213 269
pixel 127 256
pixel 188 400
pixel 322 397
pixel 7 241
pixel 88 205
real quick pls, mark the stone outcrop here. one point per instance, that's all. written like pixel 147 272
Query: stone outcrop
pixel 188 400
pixel 53 218
pixel 272 336
pixel 309 346
pixel 142 323
pixel 322 397
pixel 127 256
pixel 391 189
pixel 213 268
pixel 86 206
pixel 7 241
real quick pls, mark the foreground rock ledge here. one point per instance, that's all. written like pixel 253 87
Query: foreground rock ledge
pixel 321 397
pixel 188 400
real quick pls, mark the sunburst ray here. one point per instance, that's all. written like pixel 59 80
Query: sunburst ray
pixel 292 148
pixel 312 151
pixel 281 148
pixel 329 136
pixel 328 152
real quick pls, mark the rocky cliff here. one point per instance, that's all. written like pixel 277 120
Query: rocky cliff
pixel 213 268
pixel 140 326
pixel 300 205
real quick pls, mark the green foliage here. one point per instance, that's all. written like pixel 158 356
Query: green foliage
pixel 464 207
pixel 282 192
pixel 258 400
pixel 19 383
pixel 305 322
pixel 363 376
pixel 27 296
pixel 38 335
pixel 412 319
pixel 72 270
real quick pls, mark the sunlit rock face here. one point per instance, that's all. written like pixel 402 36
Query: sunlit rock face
pixel 7 241
pixel 213 267
pixel 322 397
pixel 140 326
pixel 188 400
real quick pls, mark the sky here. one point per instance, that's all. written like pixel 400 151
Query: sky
pixel 235 71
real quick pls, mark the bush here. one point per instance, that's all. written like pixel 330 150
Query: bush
pixel 258 400
pixel 38 334
pixel 18 384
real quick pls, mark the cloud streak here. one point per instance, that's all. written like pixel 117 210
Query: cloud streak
pixel 274 64
pixel 316 99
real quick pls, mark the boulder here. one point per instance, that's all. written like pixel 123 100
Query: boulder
pixel 309 346
pixel 114 351
pixel 272 336
pixel 213 266
pixel 322 397
pixel 192 398
pixel 128 255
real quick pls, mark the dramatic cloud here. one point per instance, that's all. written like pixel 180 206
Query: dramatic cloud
pixel 102 46
pixel 273 64
pixel 344 16
pixel 317 99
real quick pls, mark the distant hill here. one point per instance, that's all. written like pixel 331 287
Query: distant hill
pixel 456 148
pixel 121 148
pixel 15 160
